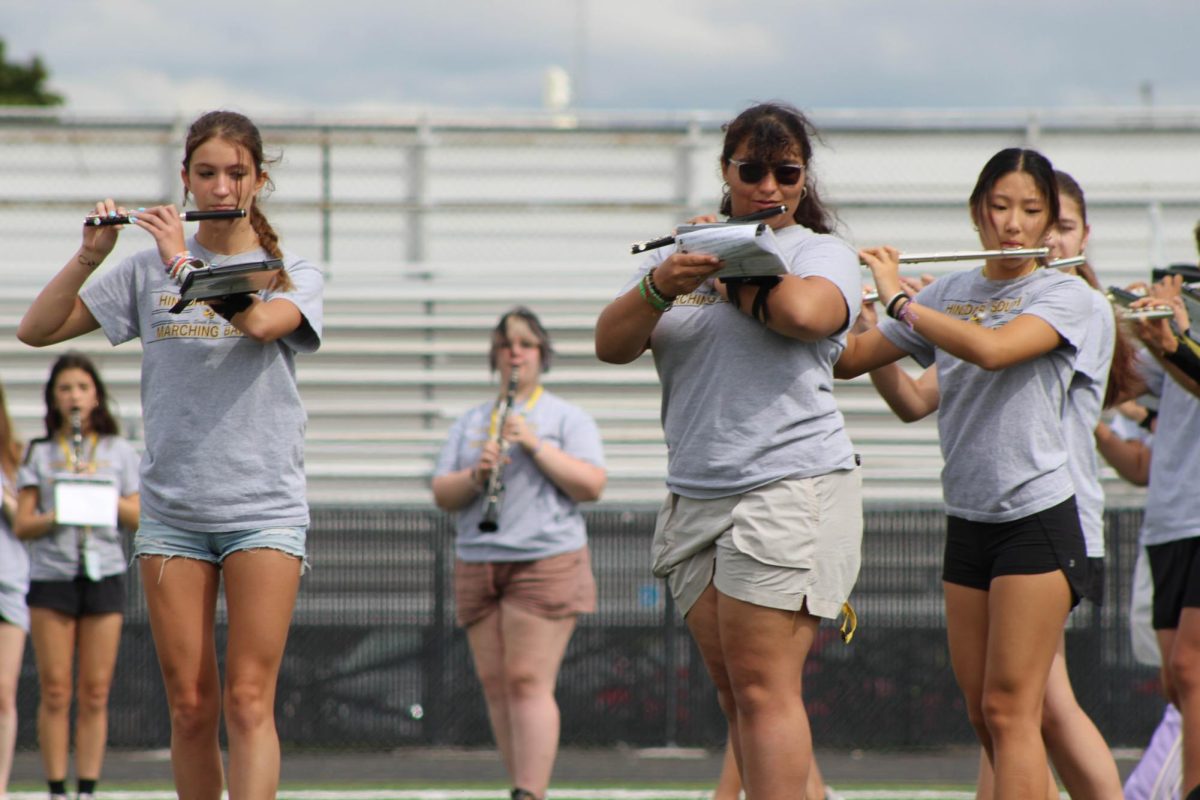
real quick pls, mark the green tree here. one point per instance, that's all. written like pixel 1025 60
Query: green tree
pixel 25 84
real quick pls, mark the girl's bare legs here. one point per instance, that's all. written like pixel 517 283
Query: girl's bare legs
pixel 53 635
pixel 1079 753
pixel 181 595
pixel 517 656
pixel 260 593
pixel 1181 661
pixel 729 782
pixel 12 647
pixel 1002 643
pixel 756 656
pixel 986 783
pixel 1075 745
pixel 99 640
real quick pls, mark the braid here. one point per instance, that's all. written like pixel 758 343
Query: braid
pixel 267 238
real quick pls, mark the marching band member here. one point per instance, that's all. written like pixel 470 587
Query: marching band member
pixel 77 573
pixel 1005 340
pixel 759 537
pixel 222 478
pixel 523 571
pixel 14 584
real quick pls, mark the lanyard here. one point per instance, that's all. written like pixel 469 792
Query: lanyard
pixel 529 404
pixel 69 454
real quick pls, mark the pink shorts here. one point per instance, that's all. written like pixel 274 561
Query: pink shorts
pixel 554 587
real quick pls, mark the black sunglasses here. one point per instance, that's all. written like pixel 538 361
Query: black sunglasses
pixel 755 171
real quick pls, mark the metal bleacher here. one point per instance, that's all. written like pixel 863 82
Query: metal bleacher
pixel 429 228
pixel 402 358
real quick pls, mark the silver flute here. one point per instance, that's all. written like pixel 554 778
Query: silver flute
pixel 1036 252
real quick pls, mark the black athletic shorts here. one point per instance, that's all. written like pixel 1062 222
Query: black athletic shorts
pixel 1175 567
pixel 1045 541
pixel 79 597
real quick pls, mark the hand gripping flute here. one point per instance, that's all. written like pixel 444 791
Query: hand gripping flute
pixel 495 484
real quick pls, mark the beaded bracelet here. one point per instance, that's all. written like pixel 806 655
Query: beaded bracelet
pixel 656 301
pixel 890 308
pixel 907 314
pixel 654 290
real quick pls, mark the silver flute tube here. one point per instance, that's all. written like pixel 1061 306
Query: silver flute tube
pixel 1036 252
pixel 974 255
pixel 1148 312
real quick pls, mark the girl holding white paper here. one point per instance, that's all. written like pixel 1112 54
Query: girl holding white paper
pixel 77 571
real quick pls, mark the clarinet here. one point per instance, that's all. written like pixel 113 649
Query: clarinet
pixel 77 437
pixel 495 484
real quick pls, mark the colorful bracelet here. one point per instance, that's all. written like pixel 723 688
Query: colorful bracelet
pixel 890 308
pixel 907 314
pixel 656 301
pixel 654 290
pixel 181 264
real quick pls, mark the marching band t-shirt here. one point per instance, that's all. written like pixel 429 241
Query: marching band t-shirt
pixel 223 418
pixel 55 556
pixel 743 406
pixel 1172 502
pixel 536 519
pixel 14 570
pixel 1001 431
pixel 1085 400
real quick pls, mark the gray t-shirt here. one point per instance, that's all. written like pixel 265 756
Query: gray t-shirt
pixel 743 406
pixel 55 556
pixel 1085 400
pixel 1001 431
pixel 536 519
pixel 14 557
pixel 223 418
pixel 1172 502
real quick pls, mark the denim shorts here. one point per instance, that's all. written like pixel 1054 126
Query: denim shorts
pixel 156 538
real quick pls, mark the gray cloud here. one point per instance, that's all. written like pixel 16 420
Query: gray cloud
pixel 376 55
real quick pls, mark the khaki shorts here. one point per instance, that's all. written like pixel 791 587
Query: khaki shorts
pixel 792 544
pixel 554 587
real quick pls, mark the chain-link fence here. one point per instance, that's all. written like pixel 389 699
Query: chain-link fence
pixel 374 659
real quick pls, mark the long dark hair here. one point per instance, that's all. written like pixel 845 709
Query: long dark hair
pixel 1015 159
pixel 1123 379
pixel 772 132
pixel 101 419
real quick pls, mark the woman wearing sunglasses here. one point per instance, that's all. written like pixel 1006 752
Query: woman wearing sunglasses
pixel 760 533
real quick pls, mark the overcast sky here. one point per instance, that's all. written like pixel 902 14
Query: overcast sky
pixel 371 57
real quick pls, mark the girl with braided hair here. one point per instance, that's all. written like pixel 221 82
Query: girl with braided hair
pixel 222 478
